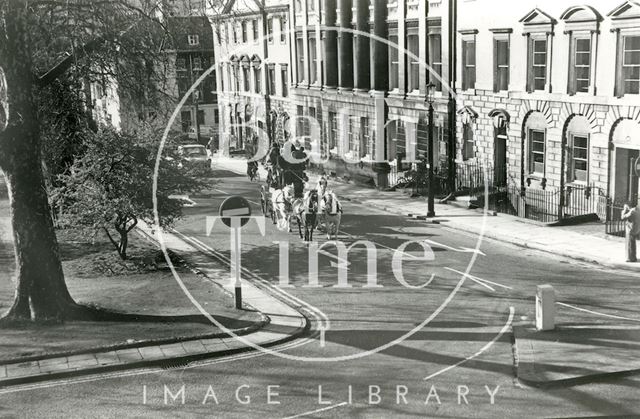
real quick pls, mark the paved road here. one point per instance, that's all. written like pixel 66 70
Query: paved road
pixel 375 355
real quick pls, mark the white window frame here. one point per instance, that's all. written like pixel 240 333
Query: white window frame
pixel 193 39
pixel 466 67
pixel 572 178
pixel 637 66
pixel 532 165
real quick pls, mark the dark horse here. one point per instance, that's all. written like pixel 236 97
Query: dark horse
pixel 306 212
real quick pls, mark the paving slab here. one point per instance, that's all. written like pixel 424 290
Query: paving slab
pixel 151 352
pixel 108 358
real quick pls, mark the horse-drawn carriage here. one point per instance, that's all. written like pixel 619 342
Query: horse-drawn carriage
pixel 284 202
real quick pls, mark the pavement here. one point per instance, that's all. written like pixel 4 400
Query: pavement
pixel 571 354
pixel 285 322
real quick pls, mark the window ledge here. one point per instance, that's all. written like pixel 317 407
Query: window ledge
pixel 577 183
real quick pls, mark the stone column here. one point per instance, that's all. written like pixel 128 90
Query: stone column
pixel 330 45
pixel 380 49
pixel 346 46
pixel 362 46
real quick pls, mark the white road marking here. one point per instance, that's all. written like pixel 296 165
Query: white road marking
pixel 477 279
pixel 322 331
pixel 324 409
pixel 483 349
pixel 597 313
pixel 281 292
pixel 471 277
pixel 460 250
pixel 409 255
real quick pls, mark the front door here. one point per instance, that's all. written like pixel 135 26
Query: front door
pixel 626 180
pixel 632 178
pixel 500 157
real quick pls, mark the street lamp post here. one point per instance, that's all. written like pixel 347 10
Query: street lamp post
pixel 431 212
pixel 195 97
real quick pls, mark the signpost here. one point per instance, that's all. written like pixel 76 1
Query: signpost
pixel 235 212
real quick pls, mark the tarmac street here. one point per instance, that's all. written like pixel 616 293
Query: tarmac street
pixel 438 338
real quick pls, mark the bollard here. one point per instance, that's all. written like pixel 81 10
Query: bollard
pixel 545 307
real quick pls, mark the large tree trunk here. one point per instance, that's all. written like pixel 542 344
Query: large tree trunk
pixel 41 293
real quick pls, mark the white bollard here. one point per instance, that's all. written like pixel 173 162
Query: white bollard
pixel 545 307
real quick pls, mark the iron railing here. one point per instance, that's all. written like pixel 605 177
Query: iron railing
pixel 581 200
pixel 541 204
pixel 502 199
pixel 473 176
pixel 614 224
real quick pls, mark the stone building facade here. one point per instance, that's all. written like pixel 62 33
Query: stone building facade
pixel 193 55
pixel 253 63
pixel 550 96
pixel 361 73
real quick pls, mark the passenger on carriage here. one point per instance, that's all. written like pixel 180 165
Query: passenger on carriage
pixel 321 186
pixel 272 165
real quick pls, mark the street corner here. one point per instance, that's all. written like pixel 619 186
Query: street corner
pixel 575 354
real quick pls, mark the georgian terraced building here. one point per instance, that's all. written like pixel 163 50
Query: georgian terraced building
pixel 359 70
pixel 549 93
pixel 252 57
pixel 544 100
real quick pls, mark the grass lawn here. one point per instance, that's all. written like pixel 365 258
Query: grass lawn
pixel 95 275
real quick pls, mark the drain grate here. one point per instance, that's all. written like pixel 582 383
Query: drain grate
pixel 172 365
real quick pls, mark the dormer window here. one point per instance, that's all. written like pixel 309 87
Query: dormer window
pixel 193 40
pixel 538 28
pixel 582 25
pixel 625 22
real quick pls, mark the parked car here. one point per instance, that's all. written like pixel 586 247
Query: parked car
pixel 194 156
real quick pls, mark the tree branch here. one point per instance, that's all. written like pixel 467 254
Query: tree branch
pixel 116 245
pixel 135 223
pixel 86 49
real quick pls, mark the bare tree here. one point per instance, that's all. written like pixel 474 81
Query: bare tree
pixel 41 42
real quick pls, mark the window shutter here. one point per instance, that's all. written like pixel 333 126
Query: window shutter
pixel 569 159
pixel 495 66
pixel 529 64
pixel 464 65
pixel 619 84
pixel 571 86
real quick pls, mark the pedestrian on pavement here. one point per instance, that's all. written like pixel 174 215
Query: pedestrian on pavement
pixel 211 145
pixel 631 214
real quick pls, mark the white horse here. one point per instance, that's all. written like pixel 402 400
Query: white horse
pixel 281 200
pixel 332 214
